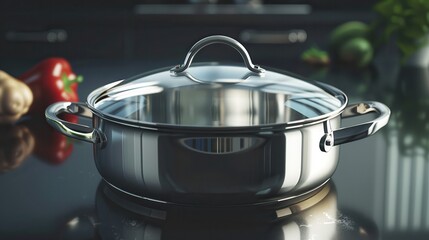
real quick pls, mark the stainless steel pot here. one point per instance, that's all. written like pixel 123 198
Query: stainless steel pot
pixel 216 134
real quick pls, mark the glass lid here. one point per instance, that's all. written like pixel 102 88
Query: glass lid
pixel 216 96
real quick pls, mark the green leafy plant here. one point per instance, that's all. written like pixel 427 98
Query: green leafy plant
pixel 405 21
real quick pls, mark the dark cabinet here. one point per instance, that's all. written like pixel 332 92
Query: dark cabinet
pixel 84 34
pixel 163 32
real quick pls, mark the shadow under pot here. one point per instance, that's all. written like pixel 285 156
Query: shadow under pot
pixel 215 134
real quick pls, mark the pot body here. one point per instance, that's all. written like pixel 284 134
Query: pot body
pixel 214 168
pixel 216 134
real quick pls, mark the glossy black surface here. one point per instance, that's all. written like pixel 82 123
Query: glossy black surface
pixel 381 182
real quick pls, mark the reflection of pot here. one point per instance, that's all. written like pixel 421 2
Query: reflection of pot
pixel 153 134
pixel 316 216
pixel 16 144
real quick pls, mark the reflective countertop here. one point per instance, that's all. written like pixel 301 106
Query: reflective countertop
pixel 50 187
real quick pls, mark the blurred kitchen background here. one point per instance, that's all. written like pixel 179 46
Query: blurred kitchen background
pixel 274 31
pixel 381 181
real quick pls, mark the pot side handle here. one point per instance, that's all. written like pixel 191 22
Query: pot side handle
pixel 363 130
pixel 69 129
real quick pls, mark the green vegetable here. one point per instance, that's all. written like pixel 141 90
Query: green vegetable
pixel 349 43
pixel 315 56
pixel 345 32
pixel 356 51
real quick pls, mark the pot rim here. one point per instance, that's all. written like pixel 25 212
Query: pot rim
pixel 93 97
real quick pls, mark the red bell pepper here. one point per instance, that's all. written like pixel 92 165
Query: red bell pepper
pixel 51 80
